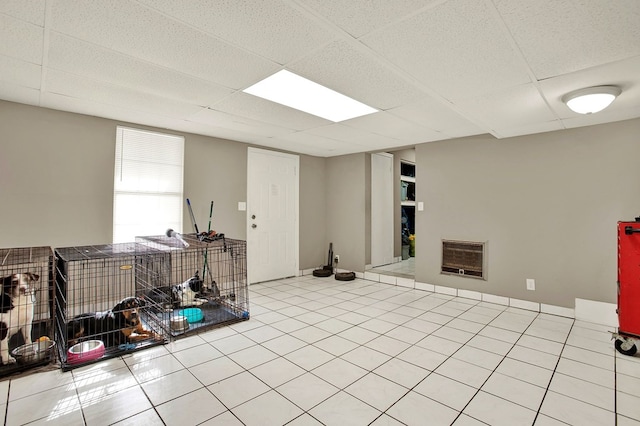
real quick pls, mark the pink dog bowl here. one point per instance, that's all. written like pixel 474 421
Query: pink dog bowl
pixel 85 351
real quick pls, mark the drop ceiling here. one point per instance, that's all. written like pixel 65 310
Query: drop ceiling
pixel 436 69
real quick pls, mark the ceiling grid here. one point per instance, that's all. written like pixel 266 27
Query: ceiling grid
pixel 435 69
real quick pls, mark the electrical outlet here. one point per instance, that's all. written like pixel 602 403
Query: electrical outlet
pixel 336 258
pixel 531 284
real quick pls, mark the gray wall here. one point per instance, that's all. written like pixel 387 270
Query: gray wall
pixel 313 221
pixel 56 177
pixel 547 205
pixel 56 182
pixel 346 209
pixel 215 169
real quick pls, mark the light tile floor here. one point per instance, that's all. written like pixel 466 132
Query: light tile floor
pixel 319 351
pixel 404 268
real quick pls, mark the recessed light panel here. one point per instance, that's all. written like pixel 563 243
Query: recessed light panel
pixel 287 88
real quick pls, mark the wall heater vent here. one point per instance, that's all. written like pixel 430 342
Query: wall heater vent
pixel 465 258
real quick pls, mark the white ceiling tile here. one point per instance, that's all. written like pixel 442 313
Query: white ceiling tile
pixel 391 126
pixel 88 60
pixel 20 94
pixel 21 40
pixel 625 74
pixel 88 107
pixel 112 112
pixel 217 132
pixel 31 11
pixel 265 27
pixel 436 68
pixel 245 105
pixel 516 106
pixel 434 115
pixel 558 37
pixel 281 144
pixel 21 73
pixel 455 48
pixel 359 17
pixel 528 128
pixel 350 71
pixel 606 116
pixel 315 143
pixel 135 30
pixel 99 92
pixel 242 124
pixel 344 133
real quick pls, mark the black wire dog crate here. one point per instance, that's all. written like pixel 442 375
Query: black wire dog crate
pixel 101 309
pixel 26 307
pixel 208 286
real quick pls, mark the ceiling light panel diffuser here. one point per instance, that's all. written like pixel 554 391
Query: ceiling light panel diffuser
pixel 287 88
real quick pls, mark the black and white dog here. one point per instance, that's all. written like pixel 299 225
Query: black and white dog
pixel 16 310
pixel 180 295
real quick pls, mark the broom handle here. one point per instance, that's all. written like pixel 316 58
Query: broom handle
pixel 204 267
pixel 193 218
pixel 210 214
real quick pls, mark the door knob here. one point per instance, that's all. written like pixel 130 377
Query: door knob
pixel 254 225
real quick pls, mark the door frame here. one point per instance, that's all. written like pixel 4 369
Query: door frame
pixel 382 214
pixel 296 214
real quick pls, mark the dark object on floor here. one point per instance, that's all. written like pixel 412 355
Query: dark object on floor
pixel 345 276
pixel 326 270
pixel 322 272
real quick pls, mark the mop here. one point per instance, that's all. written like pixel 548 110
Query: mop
pixel 204 237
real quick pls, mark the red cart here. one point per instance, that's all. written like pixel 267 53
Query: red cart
pixel 628 287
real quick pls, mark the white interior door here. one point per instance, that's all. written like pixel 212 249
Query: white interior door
pixel 382 206
pixel 272 215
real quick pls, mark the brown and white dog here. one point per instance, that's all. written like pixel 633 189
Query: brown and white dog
pixel 120 324
pixel 16 310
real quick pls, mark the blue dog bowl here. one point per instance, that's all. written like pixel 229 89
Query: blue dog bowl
pixel 192 314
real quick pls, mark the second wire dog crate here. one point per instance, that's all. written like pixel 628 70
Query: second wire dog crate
pixel 208 285
pixel 91 281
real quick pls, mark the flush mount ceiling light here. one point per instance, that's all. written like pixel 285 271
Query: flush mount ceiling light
pixel 591 99
pixel 287 88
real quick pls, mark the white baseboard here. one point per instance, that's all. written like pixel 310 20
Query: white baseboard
pixel 498 300
pixel 524 304
pixel 469 294
pixel 388 279
pixel 372 276
pixel 405 282
pixel 597 312
pixel 425 287
pixel 449 291
pixel 585 310
pixel 557 310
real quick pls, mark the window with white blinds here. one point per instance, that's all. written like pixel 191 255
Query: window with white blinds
pixel 147 190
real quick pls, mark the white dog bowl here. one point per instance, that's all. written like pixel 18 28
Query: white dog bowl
pixel 85 351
